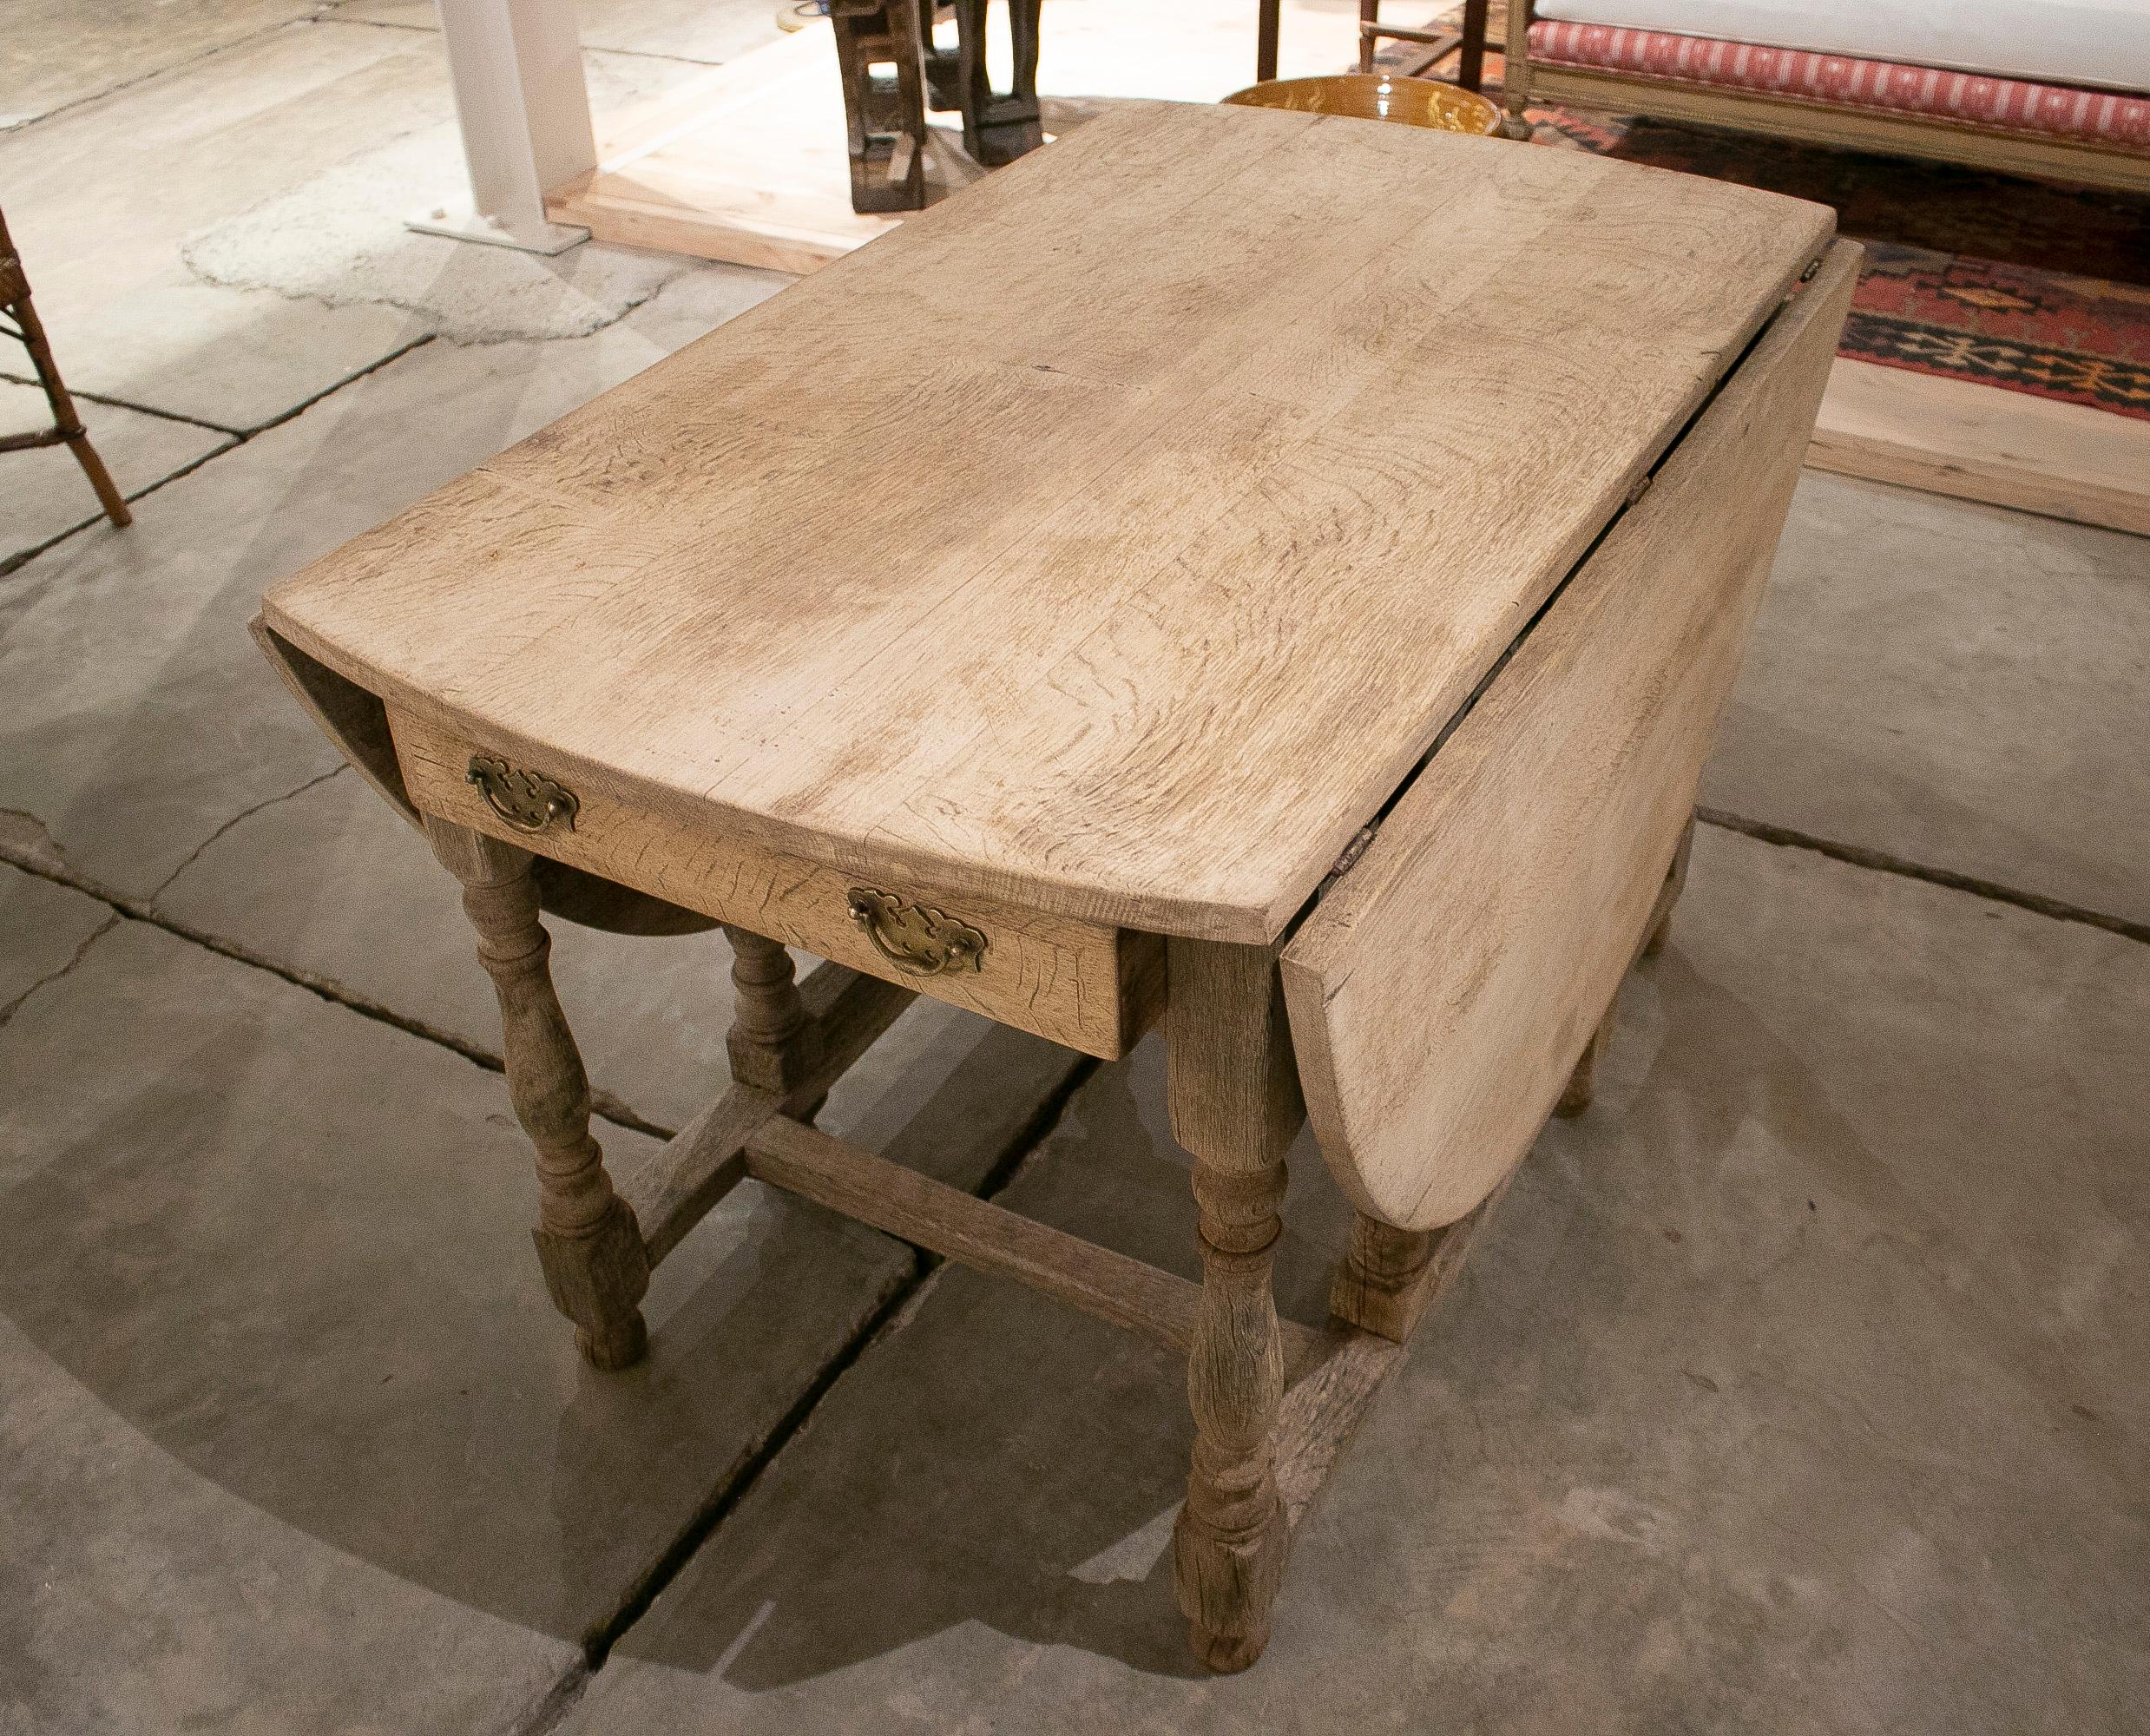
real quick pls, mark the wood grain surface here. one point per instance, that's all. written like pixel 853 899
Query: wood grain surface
pixel 1110 540
pixel 1442 991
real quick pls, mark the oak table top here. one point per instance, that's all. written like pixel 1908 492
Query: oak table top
pixel 1111 541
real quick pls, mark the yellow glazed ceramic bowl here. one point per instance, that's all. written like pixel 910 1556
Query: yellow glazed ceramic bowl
pixel 1376 96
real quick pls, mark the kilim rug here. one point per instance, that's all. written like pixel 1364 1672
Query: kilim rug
pixel 2031 285
pixel 2026 284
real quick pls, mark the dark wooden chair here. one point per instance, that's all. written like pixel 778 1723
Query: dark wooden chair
pixel 67 427
pixel 885 112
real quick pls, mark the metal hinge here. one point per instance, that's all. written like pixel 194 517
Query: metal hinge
pixel 1352 852
pixel 1347 861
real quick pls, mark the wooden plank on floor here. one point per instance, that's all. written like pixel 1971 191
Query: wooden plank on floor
pixel 745 163
pixel 1983 444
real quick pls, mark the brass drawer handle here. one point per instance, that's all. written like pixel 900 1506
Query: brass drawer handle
pixel 916 940
pixel 528 801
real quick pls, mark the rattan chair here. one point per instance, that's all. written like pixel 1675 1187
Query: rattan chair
pixel 67 427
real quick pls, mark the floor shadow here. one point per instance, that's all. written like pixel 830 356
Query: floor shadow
pixel 292 1251
pixel 1000 1462
pixel 1002 1459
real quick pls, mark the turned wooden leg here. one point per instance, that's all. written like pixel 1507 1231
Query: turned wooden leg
pixel 1388 1276
pixel 1581 1085
pixel 1582 1082
pixel 596 1266
pixel 1369 13
pixel 771 1042
pixel 1381 1286
pixel 1235 1106
pixel 1675 881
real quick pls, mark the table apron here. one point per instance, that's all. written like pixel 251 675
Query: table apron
pixel 1088 986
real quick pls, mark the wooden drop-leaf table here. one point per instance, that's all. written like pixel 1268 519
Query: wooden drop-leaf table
pixel 1275 575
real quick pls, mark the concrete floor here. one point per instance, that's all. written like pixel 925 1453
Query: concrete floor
pixel 1798 1386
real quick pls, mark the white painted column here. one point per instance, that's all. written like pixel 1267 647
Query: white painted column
pixel 517 70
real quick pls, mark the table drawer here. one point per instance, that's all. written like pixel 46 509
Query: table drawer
pixel 1085 985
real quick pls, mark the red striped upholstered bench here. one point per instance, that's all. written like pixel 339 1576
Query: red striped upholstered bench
pixel 2057 87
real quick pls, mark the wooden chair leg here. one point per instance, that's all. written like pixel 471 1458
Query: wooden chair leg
pixel 596 1266
pixel 1369 14
pixel 771 1042
pixel 999 126
pixel 66 421
pixel 884 118
pixel 1470 67
pixel 1235 1106
pixel 108 496
pixel 1265 23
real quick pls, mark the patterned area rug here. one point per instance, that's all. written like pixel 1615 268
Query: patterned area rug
pixel 2030 286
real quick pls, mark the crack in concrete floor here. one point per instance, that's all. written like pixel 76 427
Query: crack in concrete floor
pixel 243 814
pixel 1882 862
pixel 15 562
pixel 23 557
pixel 25 123
pixel 127 404
pixel 50 867
pixel 82 951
